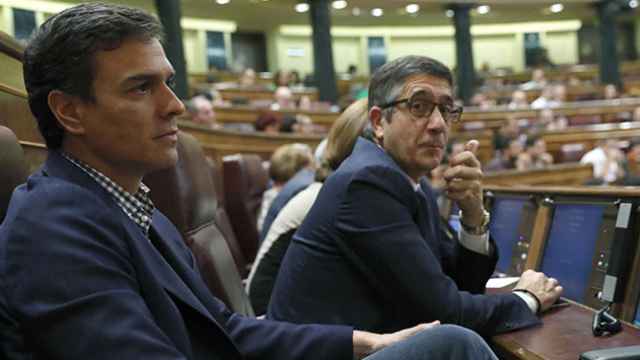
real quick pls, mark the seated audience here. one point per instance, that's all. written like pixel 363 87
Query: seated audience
pixel 606 159
pixel 544 100
pixel 268 122
pixel 610 92
pixel 291 188
pixel 285 162
pixel 294 79
pixel 632 164
pixel 247 79
pixel 113 279
pixel 201 112
pixel 518 100
pixel 535 155
pixel 281 79
pixel 506 158
pixel 538 80
pixel 509 130
pixel 372 249
pixel 283 98
pixel 340 142
pixel 547 121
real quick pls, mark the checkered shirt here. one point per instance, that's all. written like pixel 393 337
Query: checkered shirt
pixel 138 207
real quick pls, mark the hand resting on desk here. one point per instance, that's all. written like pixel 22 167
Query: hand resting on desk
pixel 545 289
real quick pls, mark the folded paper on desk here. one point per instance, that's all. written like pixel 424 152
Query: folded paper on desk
pixel 619 353
pixel 497 283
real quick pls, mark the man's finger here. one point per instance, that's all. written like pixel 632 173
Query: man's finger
pixel 472 145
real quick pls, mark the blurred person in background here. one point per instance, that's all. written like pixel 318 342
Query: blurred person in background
pixel 535 155
pixel 285 162
pixel 201 111
pixel 606 159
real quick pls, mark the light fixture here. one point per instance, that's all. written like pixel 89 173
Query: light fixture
pixel 412 8
pixel 449 13
pixel 356 11
pixel 339 4
pixel 483 9
pixel 302 7
pixel 556 8
pixel 223 2
pixel 633 4
pixel 377 12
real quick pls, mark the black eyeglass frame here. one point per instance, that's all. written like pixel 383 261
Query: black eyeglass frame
pixel 455 109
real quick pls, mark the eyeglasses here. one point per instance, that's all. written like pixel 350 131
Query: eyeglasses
pixel 421 106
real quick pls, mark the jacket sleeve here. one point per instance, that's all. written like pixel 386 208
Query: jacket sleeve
pixel 382 239
pixel 266 339
pixel 470 270
pixel 72 285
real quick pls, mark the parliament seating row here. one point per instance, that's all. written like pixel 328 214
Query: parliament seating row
pixel 580 112
pixel 569 232
pixel 577 113
pixel 574 235
pixel 569 174
pixel 562 73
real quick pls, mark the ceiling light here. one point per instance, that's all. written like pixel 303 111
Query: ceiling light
pixel 449 13
pixel 556 8
pixel 377 12
pixel 412 8
pixel 223 2
pixel 633 4
pixel 483 9
pixel 302 7
pixel 356 11
pixel 339 4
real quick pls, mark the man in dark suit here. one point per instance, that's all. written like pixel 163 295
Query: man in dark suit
pixel 89 269
pixel 371 252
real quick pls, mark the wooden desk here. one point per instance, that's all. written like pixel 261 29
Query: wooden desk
pixel 564 335
pixel 474 118
pixel 556 174
pixel 219 143
pixel 230 93
pixel 249 114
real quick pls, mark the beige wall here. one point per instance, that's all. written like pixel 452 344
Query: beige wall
pixel 562 47
pixel 194 30
pixel 501 45
pixel 439 48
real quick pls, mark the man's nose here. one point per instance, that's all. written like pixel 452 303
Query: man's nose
pixel 173 106
pixel 437 121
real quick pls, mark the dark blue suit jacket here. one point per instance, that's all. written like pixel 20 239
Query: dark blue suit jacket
pixel 291 188
pixel 80 280
pixel 371 254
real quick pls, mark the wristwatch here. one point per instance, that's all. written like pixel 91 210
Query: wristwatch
pixel 480 229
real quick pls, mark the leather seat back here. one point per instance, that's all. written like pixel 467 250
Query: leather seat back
pixel 245 180
pixel 186 195
pixel 13 167
pixel 223 222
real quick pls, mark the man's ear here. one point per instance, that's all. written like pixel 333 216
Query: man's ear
pixel 68 110
pixel 376 117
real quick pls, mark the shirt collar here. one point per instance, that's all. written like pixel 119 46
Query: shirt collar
pixel 138 207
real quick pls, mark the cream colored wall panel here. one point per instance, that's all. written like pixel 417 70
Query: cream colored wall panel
pixel 346 51
pixel 440 48
pixel 189 39
pixel 562 47
pixel 295 53
pixel 499 51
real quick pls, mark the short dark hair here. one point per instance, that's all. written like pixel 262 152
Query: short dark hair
pixel 61 55
pixel 387 82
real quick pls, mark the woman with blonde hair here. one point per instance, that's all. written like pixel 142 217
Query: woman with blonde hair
pixel 340 141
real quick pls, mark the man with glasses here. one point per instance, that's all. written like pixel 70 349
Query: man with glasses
pixel 371 252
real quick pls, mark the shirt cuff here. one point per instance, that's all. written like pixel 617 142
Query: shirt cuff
pixel 475 243
pixel 528 298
